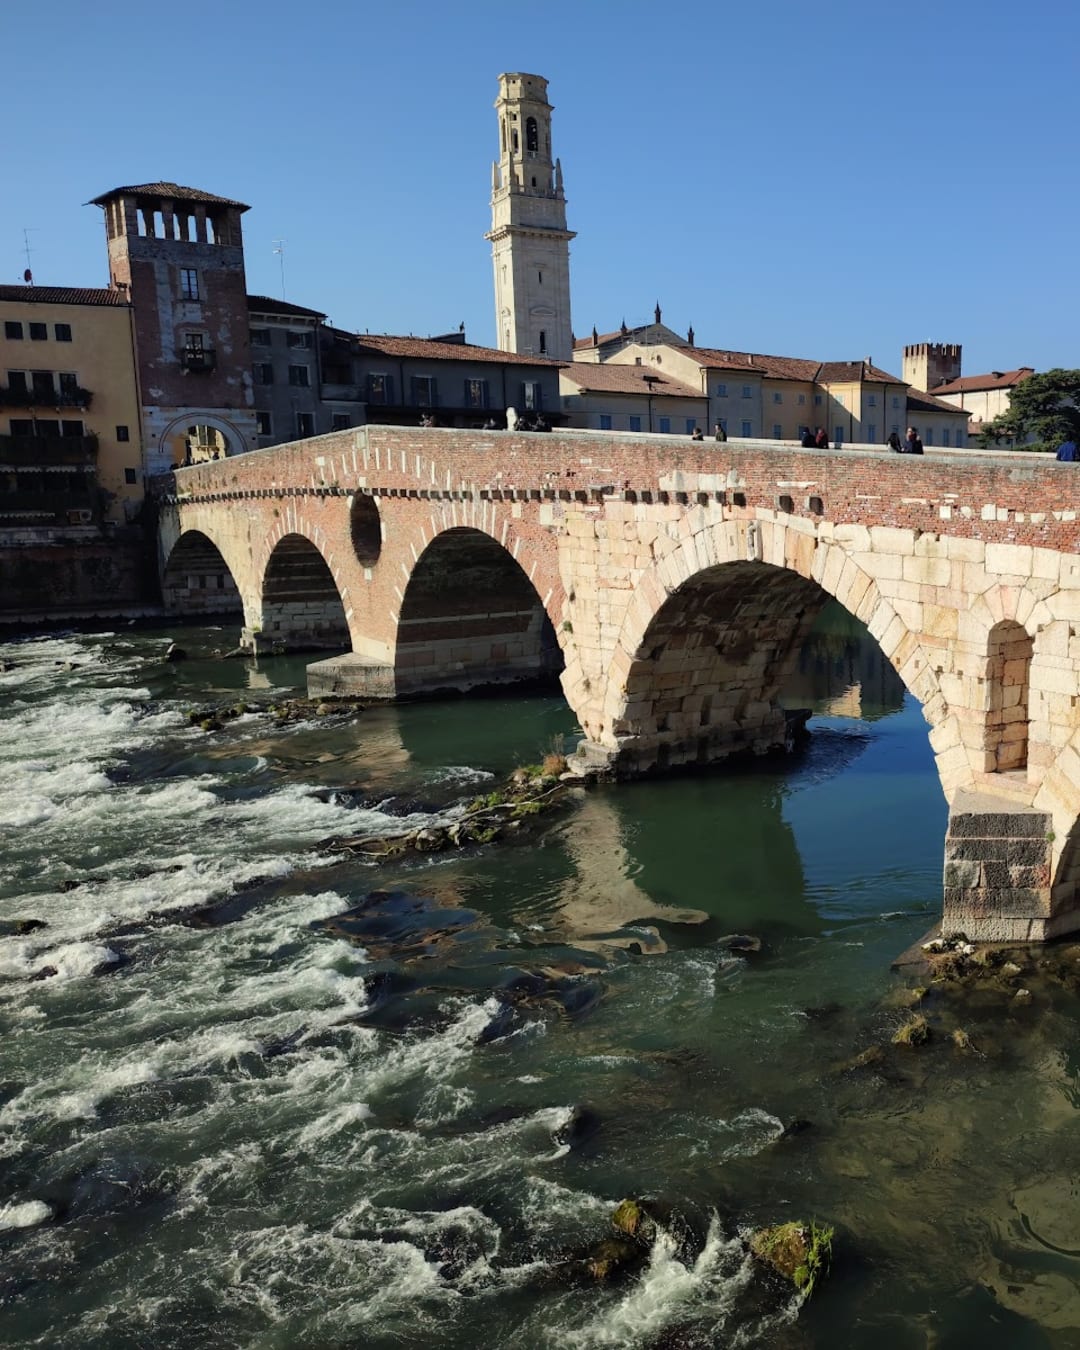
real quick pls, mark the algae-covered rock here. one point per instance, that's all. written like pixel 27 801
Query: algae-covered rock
pixel 914 1032
pixel 630 1218
pixel 869 1058
pixel 801 1252
pixel 612 1257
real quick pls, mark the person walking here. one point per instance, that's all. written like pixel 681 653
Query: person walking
pixel 912 444
pixel 894 443
pixel 1066 452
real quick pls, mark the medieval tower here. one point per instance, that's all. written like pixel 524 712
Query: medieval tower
pixel 530 244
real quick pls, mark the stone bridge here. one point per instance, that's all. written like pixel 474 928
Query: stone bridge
pixel 672 584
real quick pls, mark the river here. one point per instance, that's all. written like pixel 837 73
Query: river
pixel 228 1119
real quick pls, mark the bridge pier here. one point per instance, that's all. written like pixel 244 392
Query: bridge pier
pixel 998 866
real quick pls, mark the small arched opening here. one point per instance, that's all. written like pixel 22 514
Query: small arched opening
pixel 301 606
pixel 365 529
pixel 197 580
pixel 470 618
pixel 532 138
pixel 1008 677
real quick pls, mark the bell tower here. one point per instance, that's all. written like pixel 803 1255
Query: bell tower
pixel 530 244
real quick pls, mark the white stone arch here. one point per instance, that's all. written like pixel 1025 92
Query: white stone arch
pixel 234 438
pixel 708 543
pixel 205 521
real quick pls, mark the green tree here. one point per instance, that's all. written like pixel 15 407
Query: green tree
pixel 1045 406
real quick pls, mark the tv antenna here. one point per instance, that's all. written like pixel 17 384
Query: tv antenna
pixel 279 249
pixel 28 230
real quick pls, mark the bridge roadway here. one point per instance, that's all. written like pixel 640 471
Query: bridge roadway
pixel 673 582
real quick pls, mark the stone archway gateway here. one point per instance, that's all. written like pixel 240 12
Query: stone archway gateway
pixel 676 580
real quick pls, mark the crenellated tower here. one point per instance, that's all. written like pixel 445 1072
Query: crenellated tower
pixel 530 244
pixel 928 364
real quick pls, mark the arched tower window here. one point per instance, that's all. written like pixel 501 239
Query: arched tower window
pixel 532 138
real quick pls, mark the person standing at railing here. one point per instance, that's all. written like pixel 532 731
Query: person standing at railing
pixel 1066 452
pixel 894 443
pixel 821 438
pixel 912 444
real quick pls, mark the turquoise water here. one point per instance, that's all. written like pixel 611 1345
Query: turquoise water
pixel 231 1117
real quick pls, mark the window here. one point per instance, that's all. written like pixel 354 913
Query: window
pixel 532 395
pixel 539 278
pixel 476 394
pixel 665 424
pixel 635 422
pixel 68 383
pixel 817 400
pixel 871 400
pixel 62 332
pixel 39 332
pixel 871 432
pixel 380 389
pixel 747 429
pixel 21 426
pixel 263 372
pixel 130 477
pixel 543 342
pixel 42 382
pixel 928 439
pixel 300 340
pixel 339 422
pixel 424 391
pixel 13 331
pixel 945 437
pixel 300 377
pixel 17 381
pixel 189 283
pixel 838 439
pixel 72 428
pixel 777 397
pixel 263 424
pixel 959 440
pixel 721 391
pixel 746 391
pixel 305 424
pixel 802 399
pixel 532 139
pixel 777 432
pixel 122 434
pixel 637 360
pixel 605 421
pixel 896 402
pixel 691 423
pixel 260 337
pixel 785 503
pixel 46 426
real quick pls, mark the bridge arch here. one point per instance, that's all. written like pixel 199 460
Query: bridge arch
pixel 196 578
pixel 471 616
pixel 174 441
pixel 714 627
pixel 302 606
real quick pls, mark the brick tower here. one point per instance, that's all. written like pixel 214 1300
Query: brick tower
pixel 928 364
pixel 530 244
pixel 179 253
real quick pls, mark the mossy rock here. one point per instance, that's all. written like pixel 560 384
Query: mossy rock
pixel 612 1257
pixel 631 1218
pixel 801 1252
pixel 914 1032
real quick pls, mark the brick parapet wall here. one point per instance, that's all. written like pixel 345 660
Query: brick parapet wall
pixel 1006 497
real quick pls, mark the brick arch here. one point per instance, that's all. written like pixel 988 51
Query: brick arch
pixel 294 617
pixel 710 546
pixel 477 606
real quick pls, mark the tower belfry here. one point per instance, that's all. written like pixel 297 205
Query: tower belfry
pixel 530 244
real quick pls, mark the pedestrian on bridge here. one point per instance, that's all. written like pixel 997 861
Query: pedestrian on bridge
pixel 895 443
pixel 912 443
pixel 1066 452
pixel 821 438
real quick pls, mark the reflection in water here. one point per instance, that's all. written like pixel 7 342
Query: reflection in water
pixel 842 672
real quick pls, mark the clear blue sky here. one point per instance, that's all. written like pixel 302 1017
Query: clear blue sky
pixel 826 180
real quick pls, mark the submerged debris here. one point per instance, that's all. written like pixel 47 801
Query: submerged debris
pixel 914 1032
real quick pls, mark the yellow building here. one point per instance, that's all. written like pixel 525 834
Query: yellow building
pixel 70 439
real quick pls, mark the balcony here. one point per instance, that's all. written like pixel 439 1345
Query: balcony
pixel 29 452
pixel 72 396
pixel 198 360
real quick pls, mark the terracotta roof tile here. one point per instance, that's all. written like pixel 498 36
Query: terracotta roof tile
pixel 64 295
pixel 839 372
pixel 616 379
pixel 918 400
pixel 715 359
pixel 176 191
pixel 265 304
pixel 431 349
pixel 996 379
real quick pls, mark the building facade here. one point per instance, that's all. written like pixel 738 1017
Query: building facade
pixel 285 370
pixel 177 253
pixel 70 434
pixel 530 244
